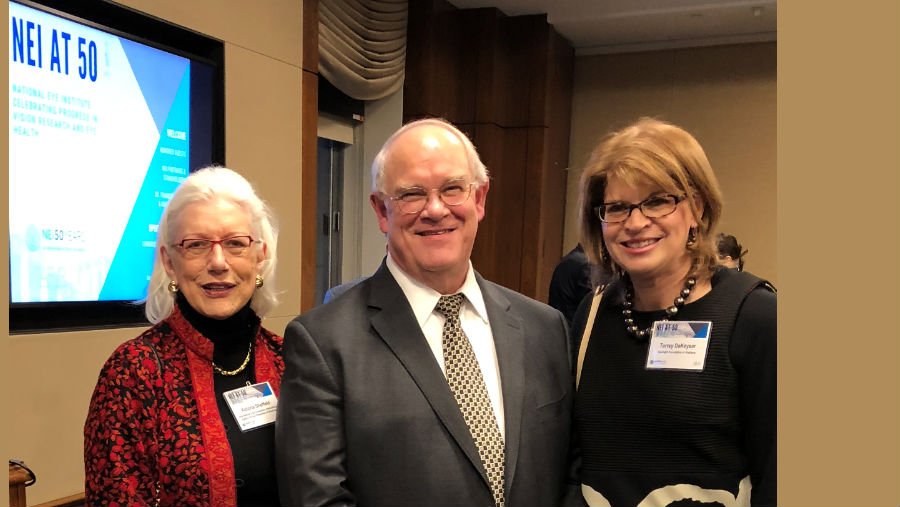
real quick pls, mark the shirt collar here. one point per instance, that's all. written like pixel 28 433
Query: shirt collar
pixel 423 299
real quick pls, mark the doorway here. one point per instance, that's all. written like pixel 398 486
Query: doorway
pixel 329 206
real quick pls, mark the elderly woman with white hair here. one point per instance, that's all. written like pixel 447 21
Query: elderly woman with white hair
pixel 182 414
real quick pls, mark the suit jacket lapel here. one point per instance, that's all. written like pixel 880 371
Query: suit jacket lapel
pixel 394 322
pixel 509 335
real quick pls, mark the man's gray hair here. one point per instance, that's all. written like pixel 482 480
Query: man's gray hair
pixel 476 167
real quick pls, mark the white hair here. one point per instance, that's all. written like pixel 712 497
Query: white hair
pixel 206 185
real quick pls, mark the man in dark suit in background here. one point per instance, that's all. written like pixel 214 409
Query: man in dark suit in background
pixel 571 281
pixel 426 385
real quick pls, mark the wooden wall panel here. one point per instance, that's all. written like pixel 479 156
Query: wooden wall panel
pixel 311 36
pixel 524 70
pixel 489 141
pixel 551 246
pixel 310 119
pixel 309 124
pixel 538 103
pixel 498 249
pixel 471 48
pixel 433 85
pixel 560 78
pixel 487 66
pixel 532 219
pixel 557 113
pixel 418 59
pixel 547 190
pixel 506 81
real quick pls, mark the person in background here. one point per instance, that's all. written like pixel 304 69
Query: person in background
pixel 161 427
pixel 730 252
pixel 676 370
pixel 425 384
pixel 570 283
pixel 339 289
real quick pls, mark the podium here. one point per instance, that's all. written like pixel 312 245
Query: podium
pixel 18 476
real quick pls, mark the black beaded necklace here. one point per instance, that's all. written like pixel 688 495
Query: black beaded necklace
pixel 671 311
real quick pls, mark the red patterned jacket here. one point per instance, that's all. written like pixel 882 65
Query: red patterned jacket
pixel 153 420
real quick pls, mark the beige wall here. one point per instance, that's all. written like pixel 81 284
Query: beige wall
pixel 55 373
pixel 724 96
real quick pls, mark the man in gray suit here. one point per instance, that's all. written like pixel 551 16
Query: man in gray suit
pixel 402 392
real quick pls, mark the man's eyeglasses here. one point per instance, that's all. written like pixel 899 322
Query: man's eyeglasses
pixel 234 246
pixel 654 206
pixel 413 200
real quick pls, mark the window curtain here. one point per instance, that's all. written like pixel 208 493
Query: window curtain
pixel 362 46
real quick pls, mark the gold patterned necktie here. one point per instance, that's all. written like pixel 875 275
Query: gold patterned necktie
pixel 468 387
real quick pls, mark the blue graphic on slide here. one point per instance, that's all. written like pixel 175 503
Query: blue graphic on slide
pixel 99 132
pixel 154 72
pixel 133 261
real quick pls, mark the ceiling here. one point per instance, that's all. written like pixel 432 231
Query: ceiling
pixel 622 26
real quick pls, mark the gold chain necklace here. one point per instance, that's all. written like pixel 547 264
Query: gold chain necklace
pixel 231 373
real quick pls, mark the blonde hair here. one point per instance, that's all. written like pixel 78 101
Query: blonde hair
pixel 651 151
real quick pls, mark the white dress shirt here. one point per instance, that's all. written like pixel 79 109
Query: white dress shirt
pixel 473 319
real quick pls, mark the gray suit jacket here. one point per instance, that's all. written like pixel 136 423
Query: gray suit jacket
pixel 365 415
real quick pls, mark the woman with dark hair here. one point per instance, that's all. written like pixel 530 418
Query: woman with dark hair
pixel 676 363
pixel 182 414
pixel 730 253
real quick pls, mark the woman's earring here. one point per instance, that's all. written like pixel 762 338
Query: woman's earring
pixel 692 237
pixel 173 287
pixel 259 281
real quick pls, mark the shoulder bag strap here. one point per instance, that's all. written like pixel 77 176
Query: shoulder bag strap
pixel 588 327
pixel 156 400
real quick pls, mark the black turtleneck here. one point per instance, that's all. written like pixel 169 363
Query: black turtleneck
pixel 253 450
pixel 231 336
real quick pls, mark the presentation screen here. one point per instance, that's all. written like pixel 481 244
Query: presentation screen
pixel 104 124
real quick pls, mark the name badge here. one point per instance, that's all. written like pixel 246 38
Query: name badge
pixel 252 405
pixel 678 345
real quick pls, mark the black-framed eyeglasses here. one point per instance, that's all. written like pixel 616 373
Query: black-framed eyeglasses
pixel 234 246
pixel 654 206
pixel 413 200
